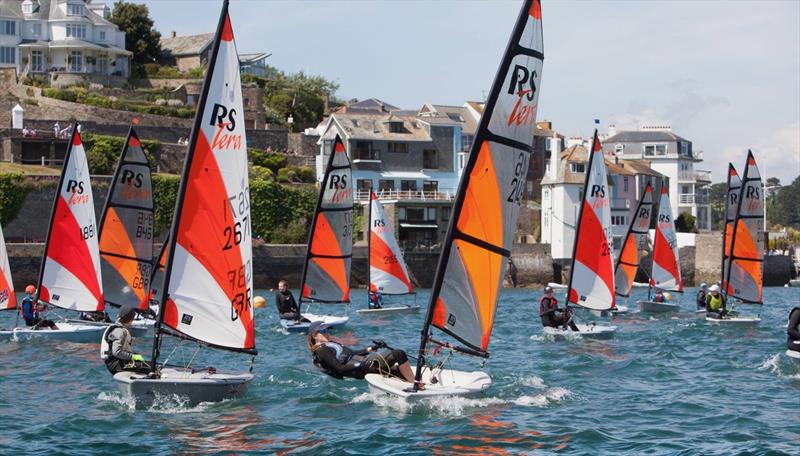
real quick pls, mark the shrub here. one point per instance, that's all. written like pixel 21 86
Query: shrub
pixel 275 207
pixel 60 94
pixel 266 159
pixel 13 190
pixel 102 152
pixel 165 194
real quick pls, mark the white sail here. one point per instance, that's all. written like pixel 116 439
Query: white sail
pixel 387 269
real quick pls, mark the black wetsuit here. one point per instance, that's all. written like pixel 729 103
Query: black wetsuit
pixel 339 361
pixel 287 306
pixel 701 299
pixel 31 315
pixel 547 312
pixel 793 330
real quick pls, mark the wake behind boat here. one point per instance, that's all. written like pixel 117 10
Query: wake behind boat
pixel 66 332
pixel 297 326
pixel 593 331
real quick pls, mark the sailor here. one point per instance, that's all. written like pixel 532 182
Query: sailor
pixel 701 296
pixel 659 296
pixel 548 308
pixel 30 311
pixel 793 330
pixel 117 352
pixel 287 306
pixel 339 361
pixel 375 297
pixel 715 302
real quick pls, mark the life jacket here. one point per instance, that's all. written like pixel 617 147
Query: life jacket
pixel 105 344
pixel 545 304
pixel 714 302
pixel 341 356
pixel 789 320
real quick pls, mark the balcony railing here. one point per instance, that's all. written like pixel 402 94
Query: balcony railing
pixel 694 176
pixel 417 195
pixel 692 198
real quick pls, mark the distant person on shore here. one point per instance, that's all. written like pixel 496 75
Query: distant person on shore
pixel 287 306
pixel 552 316
pixel 715 302
pixel 375 297
pixel 56 129
pixel 701 296
pixel 793 330
pixel 339 361
pixel 31 311
pixel 117 352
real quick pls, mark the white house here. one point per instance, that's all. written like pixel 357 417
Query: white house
pixel 68 40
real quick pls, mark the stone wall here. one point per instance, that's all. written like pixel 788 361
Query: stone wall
pixel 708 258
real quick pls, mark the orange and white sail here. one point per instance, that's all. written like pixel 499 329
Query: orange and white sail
pixel 636 240
pixel 666 272
pixel 591 281
pixel 70 275
pixel 481 232
pixel 208 281
pixel 326 273
pixel 126 228
pixel 731 207
pixel 8 299
pixel 745 276
pixel 387 269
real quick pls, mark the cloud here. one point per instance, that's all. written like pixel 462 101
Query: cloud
pixel 777 153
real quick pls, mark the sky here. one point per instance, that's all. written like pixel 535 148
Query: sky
pixel 723 74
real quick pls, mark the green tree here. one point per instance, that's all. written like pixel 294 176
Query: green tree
pixel 299 95
pixel 141 37
pixel 686 223
pixel 784 208
pixel 716 199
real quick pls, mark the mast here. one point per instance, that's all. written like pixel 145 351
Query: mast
pixel 369 246
pixel 507 131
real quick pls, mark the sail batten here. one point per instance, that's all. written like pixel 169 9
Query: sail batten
pixel 326 271
pixel 388 271
pixel 208 278
pixel 481 230
pixel 126 228
pixel 636 240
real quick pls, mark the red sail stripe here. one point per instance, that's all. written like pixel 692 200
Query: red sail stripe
pixel 202 230
pixel 227 31
pixel 536 10
pixel 68 248
pixel 134 142
pixel 378 255
pixel 590 239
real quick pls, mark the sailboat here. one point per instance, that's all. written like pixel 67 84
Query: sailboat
pixel 388 272
pixel 8 300
pixel 70 276
pixel 326 270
pixel 666 272
pixel 743 258
pixel 591 279
pixel 208 278
pixel 479 238
pixel 637 240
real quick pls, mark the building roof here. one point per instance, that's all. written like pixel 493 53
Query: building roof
pixel 580 154
pixel 49 10
pixel 252 58
pixel 184 46
pixel 449 115
pixel 643 136
pixel 72 44
pixel 375 126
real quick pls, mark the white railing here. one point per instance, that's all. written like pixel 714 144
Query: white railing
pixel 417 195
pixel 692 198
pixel 694 176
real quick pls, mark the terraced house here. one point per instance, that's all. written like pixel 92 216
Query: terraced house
pixel 66 40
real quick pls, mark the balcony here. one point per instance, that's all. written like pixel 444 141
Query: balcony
pixel 443 194
pixel 699 176
pixel 691 199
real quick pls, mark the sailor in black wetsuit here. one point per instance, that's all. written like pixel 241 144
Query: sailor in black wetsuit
pixel 287 306
pixel 701 296
pixel 548 307
pixel 339 361
pixel 793 330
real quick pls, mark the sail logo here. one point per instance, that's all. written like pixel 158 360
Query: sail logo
pixel 753 197
pixel 733 198
pixel 598 192
pixel 75 189
pixel 225 120
pixel 523 84
pixel 133 185
pixel 664 218
pixel 644 217
pixel 339 184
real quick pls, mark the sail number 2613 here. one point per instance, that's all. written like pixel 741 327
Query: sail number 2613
pixel 518 181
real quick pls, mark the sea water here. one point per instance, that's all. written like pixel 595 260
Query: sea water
pixel 665 384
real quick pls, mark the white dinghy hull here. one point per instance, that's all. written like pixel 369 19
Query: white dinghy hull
pixel 737 320
pixel 794 356
pixel 619 310
pixel 592 331
pixel 389 310
pixel 302 327
pixel 193 387
pixel 448 383
pixel 66 332
pixel 658 307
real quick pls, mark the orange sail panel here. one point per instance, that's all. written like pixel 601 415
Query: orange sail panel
pixel 591 282
pixel 70 276
pixel 8 299
pixel 636 240
pixel 126 228
pixel 387 269
pixel 326 274
pixel 731 206
pixel 666 263
pixel 481 233
pixel 208 279
pixel 745 276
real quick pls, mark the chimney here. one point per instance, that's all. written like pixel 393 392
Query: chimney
pixel 174 33
pixel 555 156
pixel 612 130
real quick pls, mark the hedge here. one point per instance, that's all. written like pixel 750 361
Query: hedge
pixel 13 190
pixel 102 152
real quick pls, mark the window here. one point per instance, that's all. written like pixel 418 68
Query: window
pixel 619 149
pixel 415 214
pixel 655 150
pixel 460 161
pixel 386 184
pixel 7 55
pixel 364 185
pixel 102 64
pixel 446 213
pixel 74 9
pixel 545 196
pixel 578 167
pixel 408 185
pixel 684 148
pixel 625 184
pixel 37 61
pixel 430 186
pixel 37 29
pixel 431 214
pixel 364 151
pixel 546 219
pixel 547 143
pixel 685 189
pixel 75 61
pixel 454 116
pixel 397 148
pixel 76 31
pixel 619 220
pixel 466 142
pixel 102 35
pixel 8 28
pixel 27 7
pixel 396 127
pixel 430 159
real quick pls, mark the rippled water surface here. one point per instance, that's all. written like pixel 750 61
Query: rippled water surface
pixel 663 385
